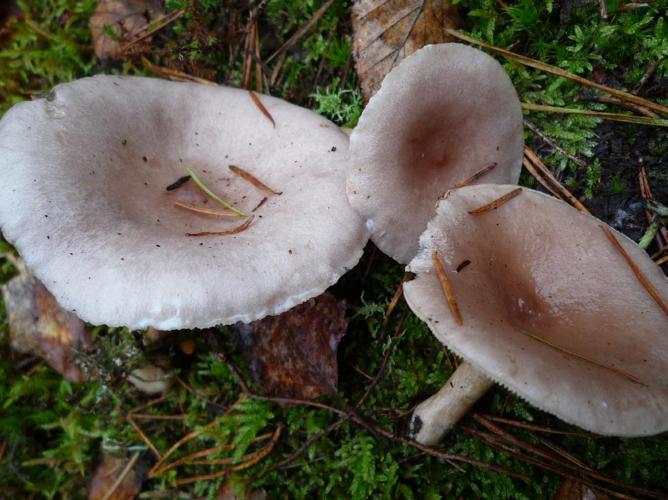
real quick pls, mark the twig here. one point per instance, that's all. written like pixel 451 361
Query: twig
pixel 301 31
pixel 537 162
pixel 120 478
pixel 579 162
pixel 647 75
pixel 638 120
pixel 447 288
pixel 527 61
pixel 636 270
pixel 494 204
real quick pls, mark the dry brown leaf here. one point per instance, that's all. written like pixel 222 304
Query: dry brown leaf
pixel 573 490
pixel 294 354
pixel 106 476
pixel 386 31
pixel 126 18
pixel 38 325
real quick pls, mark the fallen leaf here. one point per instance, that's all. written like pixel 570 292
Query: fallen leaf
pixel 385 32
pixel 107 474
pixel 38 325
pixel 574 490
pixel 117 22
pixel 294 354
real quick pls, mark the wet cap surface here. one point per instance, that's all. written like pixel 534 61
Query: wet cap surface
pixel 540 267
pixel 83 199
pixel 445 113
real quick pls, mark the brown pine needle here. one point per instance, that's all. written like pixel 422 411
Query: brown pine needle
pixel 447 288
pixel 234 230
pixel 146 440
pixel 663 260
pixel 527 61
pixel 110 492
pixel 210 451
pixel 475 176
pixel 532 170
pixel 617 117
pixel 251 459
pixel 154 27
pixel 247 176
pixel 618 371
pixel 636 270
pixel 188 437
pixel 493 205
pixel 538 163
pixel 260 106
pixel 204 210
pixel 301 31
pixel 262 202
pixel 173 74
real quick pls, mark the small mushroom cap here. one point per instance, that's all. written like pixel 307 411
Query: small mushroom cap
pixel 539 266
pixel 446 112
pixel 83 199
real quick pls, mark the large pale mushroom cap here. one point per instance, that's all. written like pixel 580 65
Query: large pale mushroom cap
pixel 83 198
pixel 446 112
pixel 540 267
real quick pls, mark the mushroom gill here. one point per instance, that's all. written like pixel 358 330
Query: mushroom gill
pixel 550 309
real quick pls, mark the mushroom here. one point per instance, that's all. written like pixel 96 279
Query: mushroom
pixel 83 200
pixel 447 115
pixel 540 300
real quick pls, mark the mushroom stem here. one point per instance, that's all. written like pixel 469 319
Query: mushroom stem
pixel 435 416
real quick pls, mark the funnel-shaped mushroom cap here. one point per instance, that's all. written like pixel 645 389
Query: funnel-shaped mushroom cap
pixel 441 116
pixel 550 308
pixel 83 198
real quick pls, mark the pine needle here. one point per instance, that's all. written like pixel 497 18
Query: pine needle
pixel 623 373
pixel 261 107
pixel 638 120
pixel 654 293
pixel 447 288
pixel 527 61
pixel 493 205
pixel 475 176
pixel 211 195
pixel 234 230
pixel 247 176
pixel 203 210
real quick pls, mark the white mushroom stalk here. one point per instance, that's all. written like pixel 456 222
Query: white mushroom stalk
pixel 549 307
pixel 84 200
pixel 447 115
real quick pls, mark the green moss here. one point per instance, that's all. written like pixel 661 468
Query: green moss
pixel 54 431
